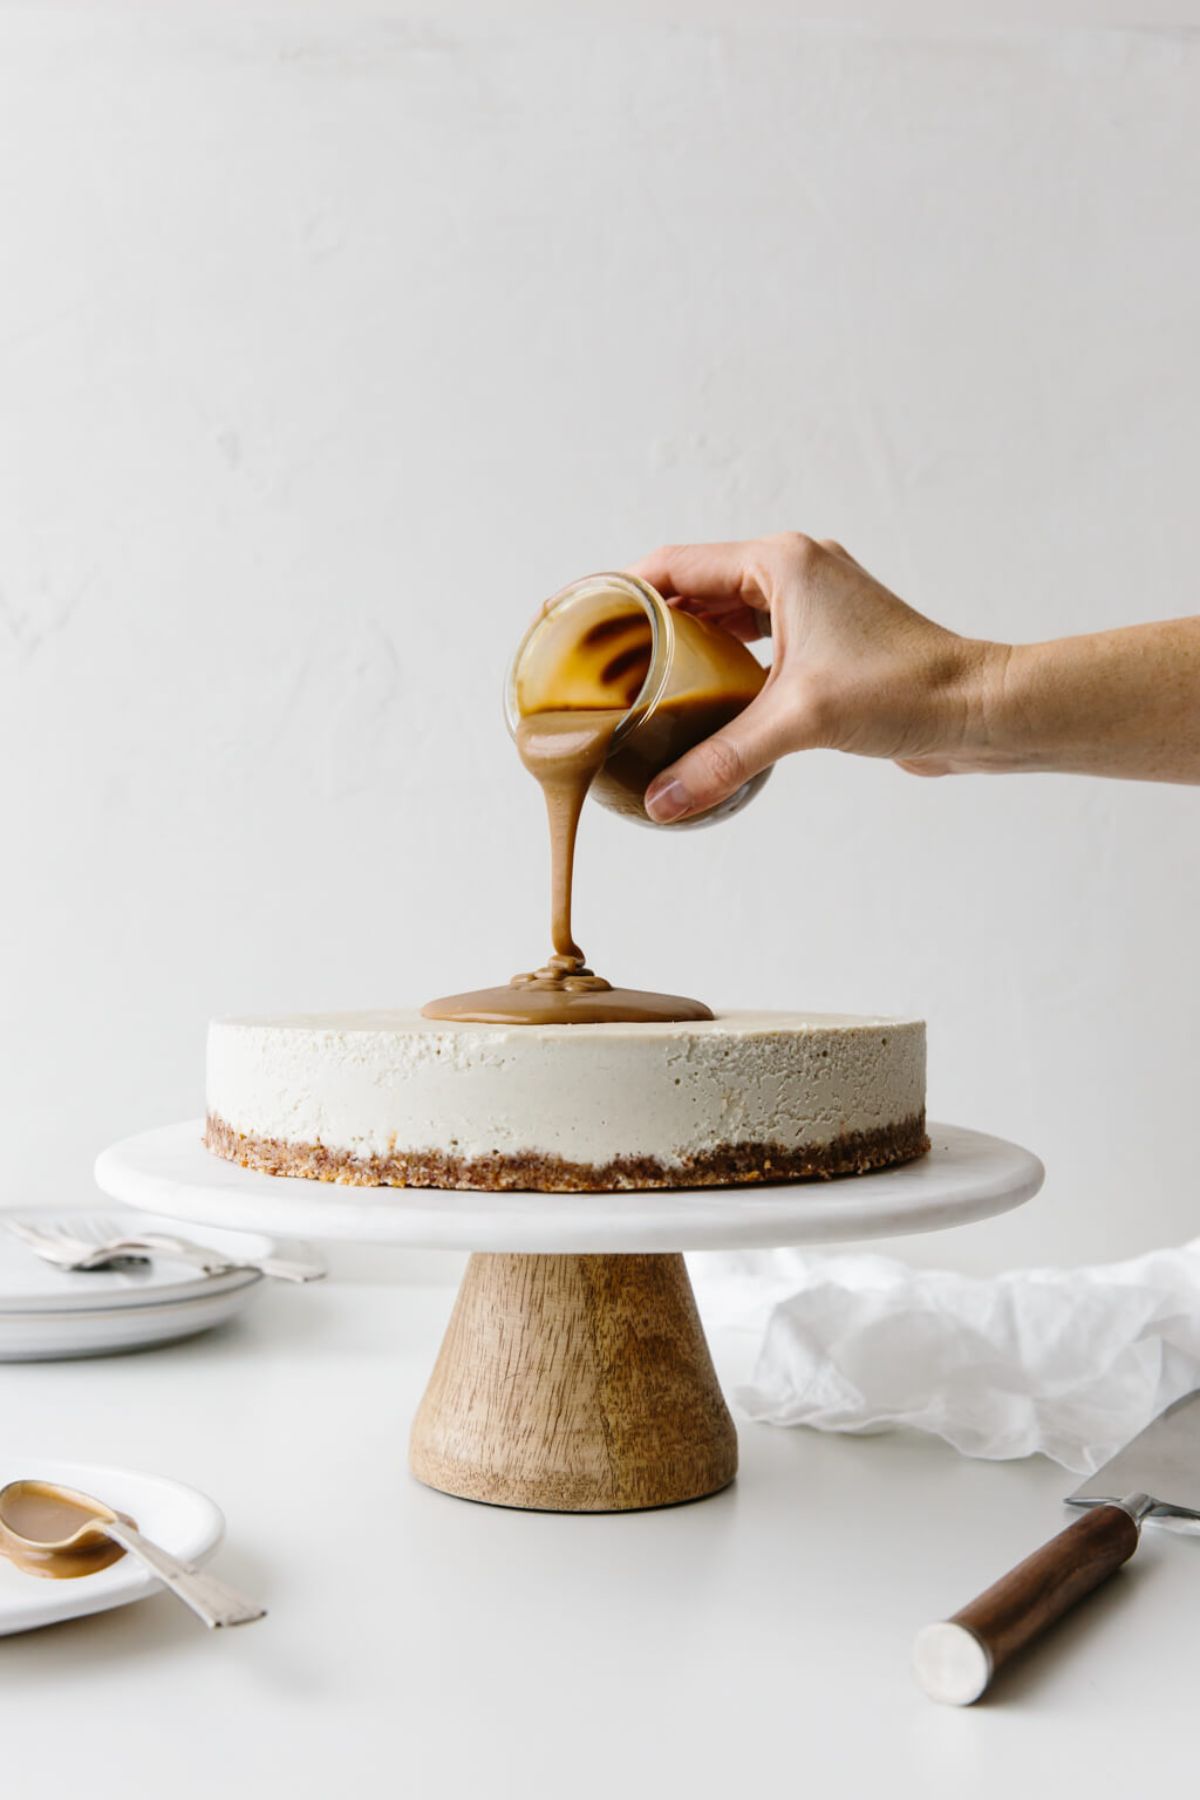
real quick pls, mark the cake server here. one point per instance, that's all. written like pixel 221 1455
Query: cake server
pixel 1156 1476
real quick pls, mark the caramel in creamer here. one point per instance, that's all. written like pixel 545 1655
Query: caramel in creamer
pixel 567 749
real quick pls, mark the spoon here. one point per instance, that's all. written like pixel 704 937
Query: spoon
pixel 50 1530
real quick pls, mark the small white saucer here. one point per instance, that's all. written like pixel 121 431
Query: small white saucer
pixel 28 1284
pixel 48 1313
pixel 179 1518
pixel 55 1337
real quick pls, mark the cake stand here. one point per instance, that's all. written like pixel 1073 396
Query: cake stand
pixel 574 1375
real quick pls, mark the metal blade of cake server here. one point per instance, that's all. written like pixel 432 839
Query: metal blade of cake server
pixel 1162 1461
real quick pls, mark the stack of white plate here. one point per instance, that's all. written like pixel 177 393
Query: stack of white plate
pixel 48 1313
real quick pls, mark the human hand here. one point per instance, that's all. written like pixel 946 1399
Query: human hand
pixel 855 668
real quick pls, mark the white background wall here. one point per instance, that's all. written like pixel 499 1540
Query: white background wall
pixel 333 337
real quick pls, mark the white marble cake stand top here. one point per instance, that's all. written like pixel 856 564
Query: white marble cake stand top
pixel 966 1176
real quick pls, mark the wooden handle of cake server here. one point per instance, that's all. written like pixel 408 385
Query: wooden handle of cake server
pixel 956 1661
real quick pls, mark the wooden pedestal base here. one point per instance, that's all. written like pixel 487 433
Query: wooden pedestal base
pixel 574 1384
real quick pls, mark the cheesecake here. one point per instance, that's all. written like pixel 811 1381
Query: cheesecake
pixel 393 1099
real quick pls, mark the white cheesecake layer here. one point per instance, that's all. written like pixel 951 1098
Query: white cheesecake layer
pixel 377 1083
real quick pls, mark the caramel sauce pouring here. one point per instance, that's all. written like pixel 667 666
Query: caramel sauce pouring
pixel 568 740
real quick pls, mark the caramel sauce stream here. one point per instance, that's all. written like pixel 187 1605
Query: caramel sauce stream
pixel 565 750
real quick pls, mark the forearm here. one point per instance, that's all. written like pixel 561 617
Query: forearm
pixel 856 669
pixel 1117 703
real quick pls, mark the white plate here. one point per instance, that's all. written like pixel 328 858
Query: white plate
pixel 967 1175
pixel 179 1518
pixel 27 1284
pixel 48 1336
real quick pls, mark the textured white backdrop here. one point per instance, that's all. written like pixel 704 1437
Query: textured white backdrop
pixel 332 338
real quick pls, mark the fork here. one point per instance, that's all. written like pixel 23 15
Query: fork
pixel 57 1244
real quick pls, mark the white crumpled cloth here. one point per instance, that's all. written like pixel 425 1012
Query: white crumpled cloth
pixel 1068 1362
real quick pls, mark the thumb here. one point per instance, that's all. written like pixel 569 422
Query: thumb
pixel 720 765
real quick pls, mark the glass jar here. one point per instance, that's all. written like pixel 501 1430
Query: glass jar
pixel 611 643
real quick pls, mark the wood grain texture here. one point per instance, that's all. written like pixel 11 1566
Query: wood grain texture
pixel 1020 1606
pixel 574 1384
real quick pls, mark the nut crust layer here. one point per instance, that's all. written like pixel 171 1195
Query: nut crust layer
pixel 729 1165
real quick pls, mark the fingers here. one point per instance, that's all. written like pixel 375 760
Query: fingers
pixel 735 574
pixel 705 572
pixel 721 764
pixel 925 766
pixel 733 616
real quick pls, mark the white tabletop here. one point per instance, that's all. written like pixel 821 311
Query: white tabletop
pixel 754 1644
